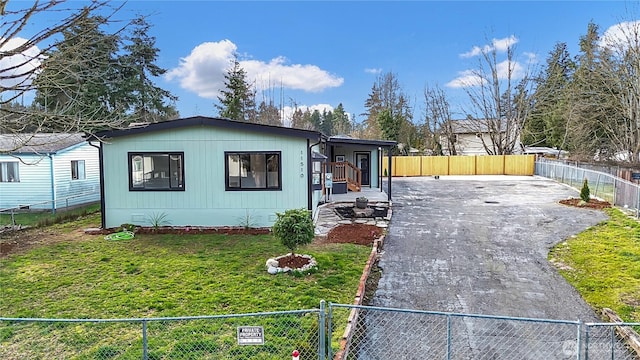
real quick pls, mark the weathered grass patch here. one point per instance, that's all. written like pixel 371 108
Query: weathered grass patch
pixel 603 264
pixel 46 218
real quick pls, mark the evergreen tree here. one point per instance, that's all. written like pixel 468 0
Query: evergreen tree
pixel 326 124
pixel 389 111
pixel 81 76
pixel 546 125
pixel 341 123
pixel 146 102
pixel 237 100
pixel 590 102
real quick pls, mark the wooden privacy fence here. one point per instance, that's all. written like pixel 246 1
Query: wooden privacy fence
pixel 461 165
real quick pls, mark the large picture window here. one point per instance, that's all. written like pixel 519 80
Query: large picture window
pixel 156 171
pixel 77 170
pixel 9 172
pixel 253 171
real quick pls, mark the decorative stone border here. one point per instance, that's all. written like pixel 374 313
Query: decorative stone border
pixel 272 264
pixel 355 312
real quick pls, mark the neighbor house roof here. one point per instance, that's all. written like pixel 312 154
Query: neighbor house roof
pixel 343 139
pixel 474 126
pixel 40 143
pixel 210 122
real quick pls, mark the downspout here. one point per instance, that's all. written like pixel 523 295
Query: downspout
pixel 389 174
pixel 380 172
pixel 310 175
pixel 53 183
pixel 101 169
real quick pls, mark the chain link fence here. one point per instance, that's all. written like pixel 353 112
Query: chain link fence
pixel 617 191
pixel 382 333
pixel 339 332
pixel 246 336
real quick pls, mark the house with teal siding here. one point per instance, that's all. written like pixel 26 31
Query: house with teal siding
pixel 48 171
pixel 212 172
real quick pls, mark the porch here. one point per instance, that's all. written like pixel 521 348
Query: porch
pixel 373 194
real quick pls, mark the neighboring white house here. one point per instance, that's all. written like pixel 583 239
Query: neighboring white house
pixel 469 136
pixel 50 171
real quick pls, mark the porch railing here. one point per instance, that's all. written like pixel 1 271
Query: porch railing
pixel 344 171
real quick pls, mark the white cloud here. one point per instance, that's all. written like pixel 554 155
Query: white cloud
pixel 373 71
pixel 203 72
pixel 621 35
pixel 499 45
pixel 26 62
pixel 465 78
pixel 470 78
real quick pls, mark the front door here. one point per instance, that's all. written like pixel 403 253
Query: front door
pixel 362 162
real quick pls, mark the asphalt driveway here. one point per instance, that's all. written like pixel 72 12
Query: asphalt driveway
pixel 479 245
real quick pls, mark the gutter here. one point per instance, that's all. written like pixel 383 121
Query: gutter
pixel 310 175
pixel 53 183
pixel 101 170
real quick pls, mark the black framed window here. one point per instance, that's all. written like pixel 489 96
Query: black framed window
pixel 253 170
pixel 9 171
pixel 156 171
pixel 77 170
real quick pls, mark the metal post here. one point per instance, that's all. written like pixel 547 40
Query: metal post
pixel 145 355
pixel 613 338
pixel 448 337
pixel 586 343
pixel 638 203
pixel 578 342
pixel 321 331
pixel 13 218
pixel 329 331
pixel 597 185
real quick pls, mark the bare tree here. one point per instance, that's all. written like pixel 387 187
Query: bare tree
pixel 438 130
pixel 499 96
pixel 22 55
pixel 620 83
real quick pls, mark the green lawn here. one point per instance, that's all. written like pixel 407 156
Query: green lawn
pixel 603 264
pixel 170 275
pixel 165 276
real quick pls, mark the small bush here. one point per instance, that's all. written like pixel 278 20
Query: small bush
pixel 585 194
pixel 294 228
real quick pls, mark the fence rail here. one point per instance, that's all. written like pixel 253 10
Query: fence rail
pixel 621 193
pixel 373 333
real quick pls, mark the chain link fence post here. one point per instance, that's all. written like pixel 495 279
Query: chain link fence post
pixel 322 332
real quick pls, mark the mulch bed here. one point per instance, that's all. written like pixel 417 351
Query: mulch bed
pixel 293 262
pixel 592 204
pixel 359 234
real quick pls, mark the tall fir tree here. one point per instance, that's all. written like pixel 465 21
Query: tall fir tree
pixel 146 102
pixel 546 125
pixel 81 76
pixel 237 100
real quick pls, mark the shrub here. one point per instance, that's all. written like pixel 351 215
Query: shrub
pixel 294 228
pixel 585 194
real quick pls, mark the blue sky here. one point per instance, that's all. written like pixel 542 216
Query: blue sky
pixel 331 52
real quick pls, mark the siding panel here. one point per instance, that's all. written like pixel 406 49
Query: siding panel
pixel 204 201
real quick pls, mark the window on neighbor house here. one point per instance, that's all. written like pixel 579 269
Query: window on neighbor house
pixel 77 170
pixel 9 171
pixel 156 171
pixel 253 171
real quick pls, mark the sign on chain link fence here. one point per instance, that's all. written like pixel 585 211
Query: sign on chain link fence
pixel 348 332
